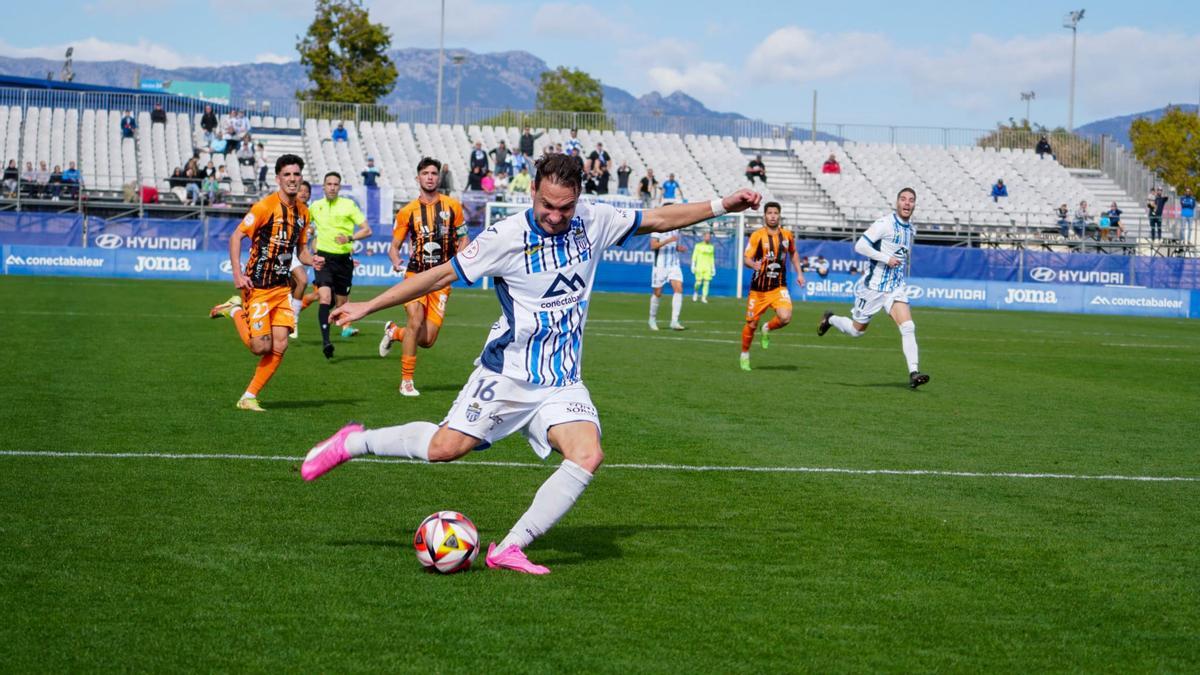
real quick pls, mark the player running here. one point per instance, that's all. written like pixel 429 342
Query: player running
pixel 768 253
pixel 434 223
pixel 527 377
pixel 339 223
pixel 277 227
pixel 666 246
pixel 888 243
pixel 704 267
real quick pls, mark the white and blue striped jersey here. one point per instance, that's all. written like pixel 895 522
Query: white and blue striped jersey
pixel 894 238
pixel 543 283
pixel 666 257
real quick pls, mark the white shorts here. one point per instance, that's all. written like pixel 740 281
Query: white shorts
pixel 867 302
pixel 492 406
pixel 296 262
pixel 659 276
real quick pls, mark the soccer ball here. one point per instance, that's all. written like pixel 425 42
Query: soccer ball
pixel 446 541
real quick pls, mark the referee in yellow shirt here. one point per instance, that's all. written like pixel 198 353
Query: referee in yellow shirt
pixel 338 223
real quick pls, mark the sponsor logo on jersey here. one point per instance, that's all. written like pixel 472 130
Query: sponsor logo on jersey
pixel 563 285
pixel 248 221
pixel 577 408
pixel 1030 296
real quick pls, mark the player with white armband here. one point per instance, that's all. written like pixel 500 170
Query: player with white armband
pixel 527 378
pixel 888 243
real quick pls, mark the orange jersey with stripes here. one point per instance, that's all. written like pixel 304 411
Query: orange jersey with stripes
pixel 772 249
pixel 275 231
pixel 435 229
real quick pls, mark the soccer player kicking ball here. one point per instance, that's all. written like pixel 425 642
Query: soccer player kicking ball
pixel 887 242
pixel 277 227
pixel 527 378
pixel 436 226
pixel 768 253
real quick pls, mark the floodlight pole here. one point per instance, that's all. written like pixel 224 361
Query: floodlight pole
pixel 441 63
pixel 1072 22
pixel 1028 96
pixel 458 61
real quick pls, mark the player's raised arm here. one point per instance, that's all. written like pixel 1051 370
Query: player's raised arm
pixel 432 279
pixel 675 216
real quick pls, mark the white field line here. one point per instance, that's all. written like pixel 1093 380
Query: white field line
pixel 687 468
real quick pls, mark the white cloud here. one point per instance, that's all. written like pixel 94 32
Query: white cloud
pixel 466 21
pixel 701 80
pixel 95 49
pixel 566 20
pixel 796 55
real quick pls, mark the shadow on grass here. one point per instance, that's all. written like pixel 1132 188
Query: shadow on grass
pixel 286 405
pixel 573 545
pixel 781 367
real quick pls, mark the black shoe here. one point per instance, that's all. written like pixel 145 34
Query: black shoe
pixel 328 349
pixel 916 379
pixel 823 327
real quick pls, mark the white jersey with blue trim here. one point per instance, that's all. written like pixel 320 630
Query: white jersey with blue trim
pixel 666 257
pixel 543 282
pixel 894 238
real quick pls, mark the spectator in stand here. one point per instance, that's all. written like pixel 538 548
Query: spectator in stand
pixel 475 180
pixel 193 165
pixel 194 175
pixel 54 186
pixel 211 189
pixel 260 165
pixel 219 145
pixel 223 179
pixel 756 169
pixel 245 153
pixel 589 182
pixel 520 161
pixel 500 153
pixel 41 180
pixel 1154 206
pixel 573 145
pixel 602 179
pixel 370 175
pixel 478 159
pixel 446 180
pixel 178 183
pixel 501 182
pixel 1043 148
pixel 128 125
pixel 999 190
pixel 340 135
pixel 671 192
pixel 1187 215
pixel 12 177
pixel 1082 219
pixel 599 159
pixel 241 127
pixel 208 122
pixel 72 180
pixel 487 183
pixel 27 182
pixel 520 182
pixel 623 172
pixel 210 171
pixel 526 141
pixel 830 166
pixel 558 149
pixel 1064 225
pixel 648 189
pixel 231 132
pixel 158 115
pixel 1114 221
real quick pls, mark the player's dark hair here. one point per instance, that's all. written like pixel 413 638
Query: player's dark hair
pixel 334 174
pixel 564 170
pixel 307 185
pixel 288 160
pixel 772 205
pixel 428 162
pixel 908 190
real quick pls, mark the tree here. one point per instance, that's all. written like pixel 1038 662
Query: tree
pixel 1069 149
pixel 570 91
pixel 1170 147
pixel 346 55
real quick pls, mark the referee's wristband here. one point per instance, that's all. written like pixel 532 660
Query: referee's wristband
pixel 718 207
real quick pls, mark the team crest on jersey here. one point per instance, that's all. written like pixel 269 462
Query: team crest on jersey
pixel 471 251
pixel 580 236
pixel 444 215
pixel 473 412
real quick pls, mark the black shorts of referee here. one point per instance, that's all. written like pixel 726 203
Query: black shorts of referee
pixel 337 273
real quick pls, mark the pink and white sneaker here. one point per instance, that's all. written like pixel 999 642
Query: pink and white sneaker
pixel 328 454
pixel 512 558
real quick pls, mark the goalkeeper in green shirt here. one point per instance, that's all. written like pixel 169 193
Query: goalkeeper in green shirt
pixel 703 267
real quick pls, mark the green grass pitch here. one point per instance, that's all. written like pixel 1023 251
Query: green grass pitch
pixel 216 564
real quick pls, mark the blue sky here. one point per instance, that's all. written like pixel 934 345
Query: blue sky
pixel 918 63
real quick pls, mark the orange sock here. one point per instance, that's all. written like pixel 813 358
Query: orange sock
pixel 238 316
pixel 396 333
pixel 774 324
pixel 408 366
pixel 747 337
pixel 267 366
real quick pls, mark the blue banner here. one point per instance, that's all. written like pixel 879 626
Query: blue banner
pixel 41 229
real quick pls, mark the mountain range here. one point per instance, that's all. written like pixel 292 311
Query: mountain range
pixel 1118 127
pixel 493 80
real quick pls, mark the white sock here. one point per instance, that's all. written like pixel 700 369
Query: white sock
pixel 410 441
pixel 845 325
pixel 297 305
pixel 552 501
pixel 676 306
pixel 653 307
pixel 248 395
pixel 908 340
